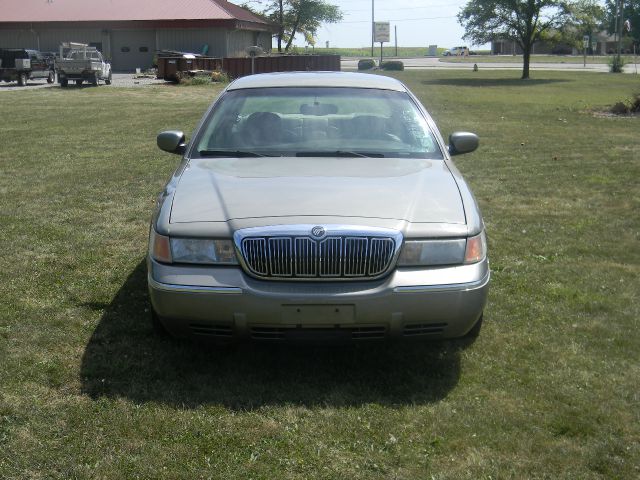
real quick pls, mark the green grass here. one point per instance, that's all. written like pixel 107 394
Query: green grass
pixel 600 59
pixel 549 390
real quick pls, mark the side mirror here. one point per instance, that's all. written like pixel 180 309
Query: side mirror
pixel 172 141
pixel 463 142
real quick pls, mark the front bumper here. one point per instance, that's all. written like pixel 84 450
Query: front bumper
pixel 223 303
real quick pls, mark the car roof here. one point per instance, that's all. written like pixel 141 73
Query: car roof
pixel 318 79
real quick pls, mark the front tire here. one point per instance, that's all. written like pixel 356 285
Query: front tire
pixel 94 80
pixel 78 82
pixel 108 80
pixel 22 79
pixel 52 77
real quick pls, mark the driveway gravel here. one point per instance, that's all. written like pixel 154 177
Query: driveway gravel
pixel 118 80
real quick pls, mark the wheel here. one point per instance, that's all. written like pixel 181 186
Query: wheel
pixel 52 77
pixel 22 79
pixel 64 82
pixel 475 331
pixel 94 80
pixel 79 82
pixel 107 81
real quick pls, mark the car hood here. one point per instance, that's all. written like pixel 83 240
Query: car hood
pixel 223 189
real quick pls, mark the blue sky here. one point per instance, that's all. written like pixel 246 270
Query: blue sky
pixel 419 23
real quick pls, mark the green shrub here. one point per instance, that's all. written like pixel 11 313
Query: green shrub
pixel 366 64
pixel 393 65
pixel 616 64
pixel 218 76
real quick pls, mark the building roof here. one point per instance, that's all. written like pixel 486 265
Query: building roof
pixel 318 79
pixel 122 10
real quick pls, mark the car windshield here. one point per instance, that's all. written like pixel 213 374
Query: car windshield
pixel 303 121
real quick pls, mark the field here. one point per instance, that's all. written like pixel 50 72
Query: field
pixel 548 391
pixel 591 59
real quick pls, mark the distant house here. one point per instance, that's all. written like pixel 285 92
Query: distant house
pixel 605 44
pixel 129 32
pixel 509 47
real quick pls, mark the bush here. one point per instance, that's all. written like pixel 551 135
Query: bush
pixel 393 65
pixel 366 64
pixel 195 80
pixel 616 64
pixel 221 77
pixel 631 105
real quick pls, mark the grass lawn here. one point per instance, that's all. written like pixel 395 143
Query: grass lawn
pixel 603 59
pixel 549 390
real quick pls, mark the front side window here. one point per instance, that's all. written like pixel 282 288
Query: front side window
pixel 300 121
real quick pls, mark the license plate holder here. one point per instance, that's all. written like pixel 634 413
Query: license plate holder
pixel 318 314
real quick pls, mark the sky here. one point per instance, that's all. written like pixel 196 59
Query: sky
pixel 419 23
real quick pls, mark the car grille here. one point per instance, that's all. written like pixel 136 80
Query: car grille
pixel 303 257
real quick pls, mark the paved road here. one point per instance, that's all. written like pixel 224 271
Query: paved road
pixel 427 63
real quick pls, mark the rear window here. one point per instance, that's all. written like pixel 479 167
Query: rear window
pixel 302 120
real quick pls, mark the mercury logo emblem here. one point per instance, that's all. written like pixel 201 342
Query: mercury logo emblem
pixel 318 231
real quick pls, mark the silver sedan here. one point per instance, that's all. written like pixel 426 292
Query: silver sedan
pixel 317 206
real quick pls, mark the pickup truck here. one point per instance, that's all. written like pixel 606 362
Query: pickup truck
pixel 20 65
pixel 79 62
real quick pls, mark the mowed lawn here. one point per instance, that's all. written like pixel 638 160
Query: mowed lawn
pixel 551 389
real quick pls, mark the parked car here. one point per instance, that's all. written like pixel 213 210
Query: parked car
pixel 456 52
pixel 80 63
pixel 317 205
pixel 21 65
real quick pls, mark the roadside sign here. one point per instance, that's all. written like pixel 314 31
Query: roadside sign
pixel 381 32
pixel 585 41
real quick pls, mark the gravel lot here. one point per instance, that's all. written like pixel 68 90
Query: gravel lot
pixel 119 80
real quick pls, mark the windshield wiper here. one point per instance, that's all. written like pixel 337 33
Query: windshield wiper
pixel 231 153
pixel 339 153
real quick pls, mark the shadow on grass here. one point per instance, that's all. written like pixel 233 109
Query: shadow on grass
pixel 492 82
pixel 124 358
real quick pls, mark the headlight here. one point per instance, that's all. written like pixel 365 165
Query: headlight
pixel 191 250
pixel 418 253
pixel 432 252
pixel 196 250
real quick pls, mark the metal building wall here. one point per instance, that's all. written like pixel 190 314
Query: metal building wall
pixel 49 39
pixel 222 42
pixel 239 40
pixel 193 40
pixel 132 49
pixel 18 39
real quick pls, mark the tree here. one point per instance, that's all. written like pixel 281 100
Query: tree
pixel 300 16
pixel 523 21
pixel 631 12
pixel 586 17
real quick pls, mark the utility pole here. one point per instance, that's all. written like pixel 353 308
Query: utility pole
pixel 373 27
pixel 395 29
pixel 619 28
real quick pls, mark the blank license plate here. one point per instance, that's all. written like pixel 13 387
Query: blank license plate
pixel 318 314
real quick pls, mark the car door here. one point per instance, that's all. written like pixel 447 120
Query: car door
pixel 37 65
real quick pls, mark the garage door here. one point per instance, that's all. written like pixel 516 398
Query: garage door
pixel 132 49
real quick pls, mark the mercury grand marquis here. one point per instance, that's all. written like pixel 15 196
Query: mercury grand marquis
pixel 321 206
